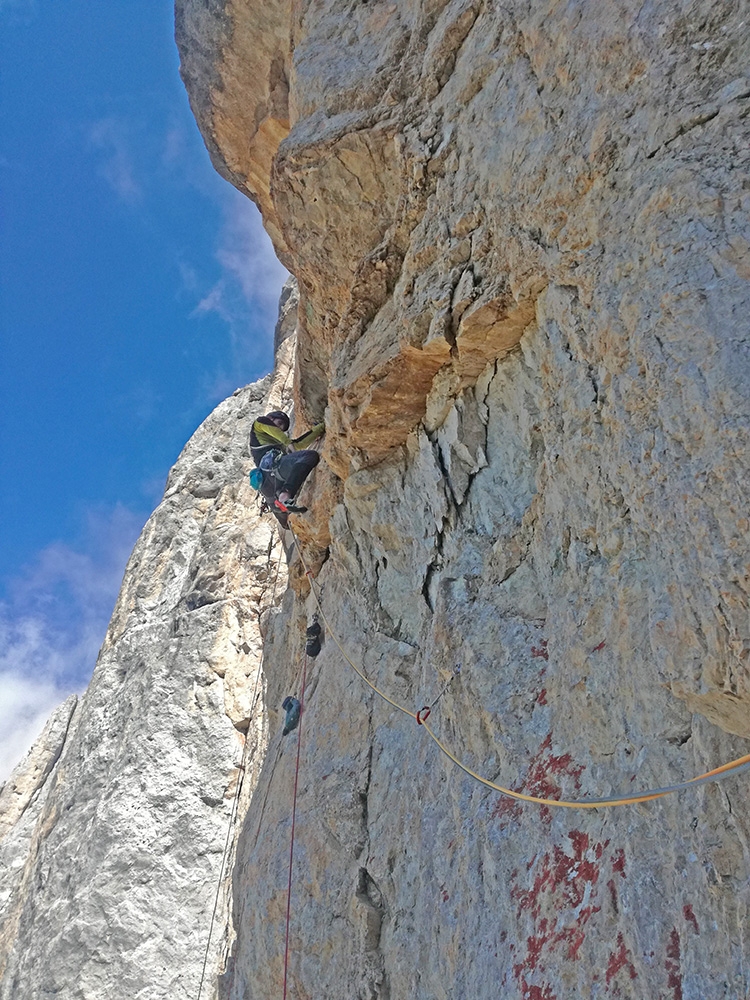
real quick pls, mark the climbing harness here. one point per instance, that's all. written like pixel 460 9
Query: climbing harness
pixel 733 767
pixel 269 465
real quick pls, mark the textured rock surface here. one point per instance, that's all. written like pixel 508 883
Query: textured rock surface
pixel 458 172
pixel 522 239
pixel 112 830
pixel 521 234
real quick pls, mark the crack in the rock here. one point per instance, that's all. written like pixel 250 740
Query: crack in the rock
pixel 363 796
pixel 369 895
pixel 460 32
pixel 701 118
pixel 435 564
pixel 438 453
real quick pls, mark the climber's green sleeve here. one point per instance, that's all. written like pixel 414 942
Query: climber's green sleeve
pixel 305 440
pixel 270 434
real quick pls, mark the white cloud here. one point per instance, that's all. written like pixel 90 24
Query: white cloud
pixel 25 706
pixel 247 293
pixel 247 255
pixel 174 151
pixel 110 137
pixel 53 623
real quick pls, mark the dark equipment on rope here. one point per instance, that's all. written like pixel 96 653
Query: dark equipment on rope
pixel 312 645
pixel 293 709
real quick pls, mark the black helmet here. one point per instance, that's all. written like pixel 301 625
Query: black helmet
pixel 279 415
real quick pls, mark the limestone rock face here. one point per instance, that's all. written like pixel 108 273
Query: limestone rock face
pixel 522 243
pixel 455 175
pixel 241 104
pixel 521 235
pixel 113 828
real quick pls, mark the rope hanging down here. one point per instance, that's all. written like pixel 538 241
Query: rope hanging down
pixel 294 818
pixel 238 789
pixel 733 767
pixel 230 825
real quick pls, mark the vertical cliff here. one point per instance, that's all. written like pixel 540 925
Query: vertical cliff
pixel 112 829
pixel 521 236
pixel 522 243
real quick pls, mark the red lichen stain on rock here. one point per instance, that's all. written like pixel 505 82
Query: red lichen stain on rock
pixel 543 769
pixel 687 912
pixel 541 698
pixel 672 965
pixel 541 650
pixel 564 883
pixel 613 895
pixel 536 992
pixel 444 894
pixel 618 862
pixel 505 810
pixel 545 765
pixel 619 960
pixel 540 782
pixel 600 647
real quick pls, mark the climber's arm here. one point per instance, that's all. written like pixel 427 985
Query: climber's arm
pixel 309 437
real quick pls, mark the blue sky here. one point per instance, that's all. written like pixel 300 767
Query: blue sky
pixel 137 290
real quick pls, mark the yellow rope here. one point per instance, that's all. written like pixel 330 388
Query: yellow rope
pixel 733 767
pixel 343 652
pixel 741 764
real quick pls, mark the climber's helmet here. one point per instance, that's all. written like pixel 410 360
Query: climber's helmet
pixel 280 419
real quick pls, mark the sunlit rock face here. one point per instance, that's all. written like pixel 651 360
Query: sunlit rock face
pixel 521 238
pixel 112 829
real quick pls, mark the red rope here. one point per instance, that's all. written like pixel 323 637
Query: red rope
pixel 294 818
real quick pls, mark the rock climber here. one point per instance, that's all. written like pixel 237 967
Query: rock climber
pixel 270 431
pixel 283 463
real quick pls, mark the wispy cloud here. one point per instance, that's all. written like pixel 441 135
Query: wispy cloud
pixel 176 155
pixel 110 136
pixel 246 294
pixel 26 701
pixel 52 624
pixel 247 255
